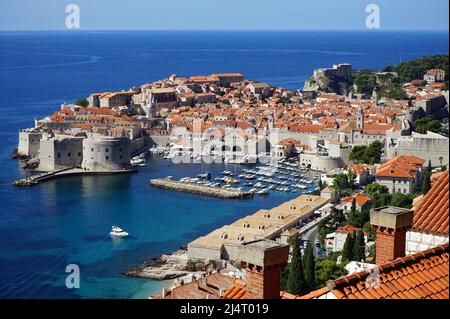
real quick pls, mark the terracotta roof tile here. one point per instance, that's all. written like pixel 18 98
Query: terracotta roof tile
pixel 431 213
pixel 423 275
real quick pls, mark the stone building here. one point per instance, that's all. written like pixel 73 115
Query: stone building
pixel 434 75
pixel 60 151
pixel 430 147
pixel 402 174
pixel 224 243
pixel 29 142
pixel 103 153
pixel 115 99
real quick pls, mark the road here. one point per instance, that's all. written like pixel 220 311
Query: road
pixel 311 236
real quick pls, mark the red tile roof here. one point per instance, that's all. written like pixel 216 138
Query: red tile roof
pixel 236 291
pixel 423 275
pixel 360 199
pixel 431 214
pixel 205 287
pixel 400 166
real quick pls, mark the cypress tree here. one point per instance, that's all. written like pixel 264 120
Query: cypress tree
pixel 359 247
pixel 309 267
pixel 426 182
pixel 347 251
pixel 296 279
pixel 353 209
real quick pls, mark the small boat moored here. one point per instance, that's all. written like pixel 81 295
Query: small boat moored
pixel 118 232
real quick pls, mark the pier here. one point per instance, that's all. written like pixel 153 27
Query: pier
pixel 193 188
pixel 70 171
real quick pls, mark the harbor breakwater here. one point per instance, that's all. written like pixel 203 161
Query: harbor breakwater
pixel 193 188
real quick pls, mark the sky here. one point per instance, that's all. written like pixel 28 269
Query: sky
pixel 226 14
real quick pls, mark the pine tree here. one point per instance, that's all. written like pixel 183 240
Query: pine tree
pixel 353 209
pixel 309 267
pixel 359 247
pixel 296 280
pixel 347 251
pixel 429 168
pixel 426 182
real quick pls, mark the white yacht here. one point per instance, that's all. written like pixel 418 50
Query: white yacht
pixel 118 232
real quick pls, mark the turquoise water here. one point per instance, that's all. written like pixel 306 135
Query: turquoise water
pixel 45 228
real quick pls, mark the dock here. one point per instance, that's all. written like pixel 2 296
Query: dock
pixel 69 171
pixel 212 191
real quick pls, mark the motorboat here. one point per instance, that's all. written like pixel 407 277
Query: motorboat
pixel 118 232
pixel 205 176
pixel 264 191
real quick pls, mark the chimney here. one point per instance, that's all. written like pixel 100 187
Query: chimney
pixel 263 261
pixel 391 225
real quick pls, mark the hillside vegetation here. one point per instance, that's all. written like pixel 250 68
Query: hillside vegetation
pixel 415 69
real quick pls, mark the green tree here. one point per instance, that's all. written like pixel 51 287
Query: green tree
pixel 359 247
pixel 415 69
pixel 357 153
pixel 296 280
pixel 348 250
pixel 401 200
pixel 328 270
pixel 283 278
pixel 372 154
pixel 359 218
pixel 82 102
pixel 353 208
pixel 379 194
pixel 425 124
pixel 330 223
pixel 309 267
pixel 426 182
pixel 368 228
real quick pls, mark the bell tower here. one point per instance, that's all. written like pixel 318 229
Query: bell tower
pixel 360 118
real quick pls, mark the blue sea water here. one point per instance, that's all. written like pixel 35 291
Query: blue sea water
pixel 65 221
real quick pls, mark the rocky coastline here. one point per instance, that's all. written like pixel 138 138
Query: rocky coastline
pixel 168 266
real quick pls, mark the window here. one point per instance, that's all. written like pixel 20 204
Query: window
pixel 92 149
pixel 107 157
pixel 79 154
pixel 59 154
pixel 107 150
pixel 68 154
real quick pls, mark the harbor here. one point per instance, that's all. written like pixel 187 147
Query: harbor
pixel 283 176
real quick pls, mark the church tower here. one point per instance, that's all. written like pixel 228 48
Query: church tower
pixel 271 122
pixel 375 97
pixel 360 118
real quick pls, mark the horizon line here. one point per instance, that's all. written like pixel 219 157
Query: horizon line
pixel 222 29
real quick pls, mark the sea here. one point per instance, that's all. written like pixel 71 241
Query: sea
pixel 45 228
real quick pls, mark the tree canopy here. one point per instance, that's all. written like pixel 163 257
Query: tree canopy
pixel 330 223
pixel 415 69
pixel 328 270
pixel 82 102
pixel 367 154
pixel 427 123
